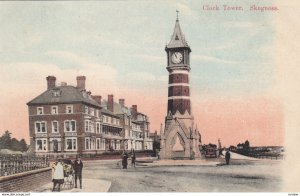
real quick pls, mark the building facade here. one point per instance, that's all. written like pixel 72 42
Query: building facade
pixel 135 125
pixel 69 120
pixel 180 138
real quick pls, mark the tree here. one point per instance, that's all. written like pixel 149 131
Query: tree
pixel 15 145
pixel 5 140
pixel 23 145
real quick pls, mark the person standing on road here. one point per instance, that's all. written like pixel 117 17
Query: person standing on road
pixel 133 158
pixel 227 157
pixel 78 165
pixel 124 160
pixel 57 174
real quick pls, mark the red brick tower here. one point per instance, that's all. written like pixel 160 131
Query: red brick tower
pixel 178 52
pixel 180 138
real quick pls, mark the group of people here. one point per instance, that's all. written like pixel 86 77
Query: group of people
pixel 125 157
pixel 59 171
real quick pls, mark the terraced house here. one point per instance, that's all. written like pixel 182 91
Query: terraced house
pixel 70 120
pixel 135 125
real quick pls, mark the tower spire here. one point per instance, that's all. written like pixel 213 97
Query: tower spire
pixel 177 39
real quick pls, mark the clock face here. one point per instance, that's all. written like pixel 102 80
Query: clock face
pixel 177 57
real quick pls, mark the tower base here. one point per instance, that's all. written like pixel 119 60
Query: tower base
pixel 180 140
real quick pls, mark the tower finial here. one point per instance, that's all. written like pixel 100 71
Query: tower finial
pixel 177 14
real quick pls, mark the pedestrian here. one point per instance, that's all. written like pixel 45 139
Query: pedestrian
pixel 158 155
pixel 133 158
pixel 78 165
pixel 227 157
pixel 57 174
pixel 124 159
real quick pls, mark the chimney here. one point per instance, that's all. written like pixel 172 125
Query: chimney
pixel 122 102
pixel 50 82
pixel 110 103
pixel 97 98
pixel 81 82
pixel 134 111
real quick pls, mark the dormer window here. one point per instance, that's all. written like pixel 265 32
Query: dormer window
pixel 69 109
pixel 56 93
pixel 86 110
pixel 40 110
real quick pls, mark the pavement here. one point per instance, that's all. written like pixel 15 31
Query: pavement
pixel 101 185
pixel 88 185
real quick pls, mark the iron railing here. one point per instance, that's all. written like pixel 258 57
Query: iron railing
pixel 12 164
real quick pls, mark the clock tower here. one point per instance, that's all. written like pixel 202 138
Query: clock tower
pixel 180 138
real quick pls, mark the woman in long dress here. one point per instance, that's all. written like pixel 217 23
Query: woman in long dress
pixel 57 174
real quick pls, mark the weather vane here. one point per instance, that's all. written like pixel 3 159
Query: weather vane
pixel 177 13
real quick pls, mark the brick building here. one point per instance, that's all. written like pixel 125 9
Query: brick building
pixel 135 125
pixel 69 120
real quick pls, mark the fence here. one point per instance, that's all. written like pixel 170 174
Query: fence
pixel 12 164
pixel 272 156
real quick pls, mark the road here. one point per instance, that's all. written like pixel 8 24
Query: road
pixel 241 176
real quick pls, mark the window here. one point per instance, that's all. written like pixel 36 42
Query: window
pixel 55 144
pixel 56 93
pixel 40 127
pixel 98 127
pixel 97 113
pixel 71 144
pixel 69 109
pixel 87 125
pixel 92 127
pixel 98 143
pixel 112 145
pixel 102 144
pixel 118 145
pixel 70 125
pixel 40 110
pixel 54 126
pixel 54 110
pixel 41 145
pixel 92 112
pixel 93 143
pixel 87 143
pixel 86 110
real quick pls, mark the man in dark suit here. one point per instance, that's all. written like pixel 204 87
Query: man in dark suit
pixel 78 165
pixel 227 157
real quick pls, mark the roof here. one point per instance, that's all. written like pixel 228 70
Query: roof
pixel 177 39
pixel 118 109
pixel 63 94
pixel 106 111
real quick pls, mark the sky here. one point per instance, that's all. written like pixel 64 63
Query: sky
pixel 119 47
